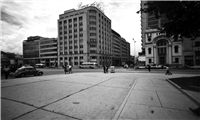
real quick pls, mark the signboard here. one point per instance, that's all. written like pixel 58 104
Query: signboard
pixel 95 4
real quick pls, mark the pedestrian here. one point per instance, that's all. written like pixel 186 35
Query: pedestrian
pixel 65 68
pixel 195 111
pixel 6 71
pixel 149 68
pixel 104 69
pixel 168 70
pixel 70 69
pixel 107 68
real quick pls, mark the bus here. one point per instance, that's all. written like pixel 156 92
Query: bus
pixel 91 65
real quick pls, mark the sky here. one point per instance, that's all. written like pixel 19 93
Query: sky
pixel 23 18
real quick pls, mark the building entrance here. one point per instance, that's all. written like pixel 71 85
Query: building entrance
pixel 162 51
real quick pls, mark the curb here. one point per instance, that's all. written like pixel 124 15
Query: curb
pixel 188 95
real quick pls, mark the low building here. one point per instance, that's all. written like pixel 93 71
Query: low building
pixel 37 49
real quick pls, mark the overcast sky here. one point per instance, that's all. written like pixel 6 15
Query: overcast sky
pixel 23 18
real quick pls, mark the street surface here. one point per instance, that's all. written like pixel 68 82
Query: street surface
pixel 126 94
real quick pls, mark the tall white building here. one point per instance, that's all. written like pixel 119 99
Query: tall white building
pixel 84 35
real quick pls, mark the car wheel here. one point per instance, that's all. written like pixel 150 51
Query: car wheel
pixel 39 74
pixel 23 75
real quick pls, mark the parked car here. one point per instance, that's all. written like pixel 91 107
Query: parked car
pixel 40 65
pixel 195 67
pixel 125 66
pixel 27 71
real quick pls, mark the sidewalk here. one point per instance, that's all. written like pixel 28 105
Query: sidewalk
pixel 119 96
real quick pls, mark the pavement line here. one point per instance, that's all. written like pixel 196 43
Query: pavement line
pixel 124 102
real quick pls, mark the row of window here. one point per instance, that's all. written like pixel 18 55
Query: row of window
pixel 162 50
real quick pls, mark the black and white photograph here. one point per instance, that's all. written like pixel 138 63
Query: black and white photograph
pixel 100 60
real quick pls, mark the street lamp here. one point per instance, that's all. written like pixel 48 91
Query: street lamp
pixel 134 46
pixel 134 52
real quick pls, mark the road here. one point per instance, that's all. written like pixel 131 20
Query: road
pixel 53 71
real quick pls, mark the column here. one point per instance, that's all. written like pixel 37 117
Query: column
pixel 154 54
pixel 170 54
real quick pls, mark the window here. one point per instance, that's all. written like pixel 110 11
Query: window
pixel 176 49
pixel 75 52
pixel 176 60
pixel 80 18
pixel 92 51
pixel 81 52
pixel 197 44
pixel 81 46
pixel 150 61
pixel 80 29
pixel 149 50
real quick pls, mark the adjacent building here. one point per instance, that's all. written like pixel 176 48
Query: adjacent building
pixel 120 50
pixel 37 49
pixel 160 49
pixel 85 35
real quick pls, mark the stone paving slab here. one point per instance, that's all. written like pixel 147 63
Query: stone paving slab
pixel 119 82
pixel 92 103
pixel 150 85
pixel 144 97
pixel 11 109
pixel 140 112
pixel 90 80
pixel 175 100
pixel 26 80
pixel 44 115
pixel 41 93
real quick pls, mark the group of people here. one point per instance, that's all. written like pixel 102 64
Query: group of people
pixel 168 72
pixel 67 68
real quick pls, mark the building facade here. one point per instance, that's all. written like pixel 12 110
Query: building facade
pixel 160 49
pixel 120 50
pixel 37 49
pixel 48 51
pixel 84 35
pixel 31 50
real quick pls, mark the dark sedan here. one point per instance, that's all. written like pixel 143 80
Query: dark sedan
pixel 27 71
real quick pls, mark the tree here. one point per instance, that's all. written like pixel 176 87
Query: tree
pixel 182 17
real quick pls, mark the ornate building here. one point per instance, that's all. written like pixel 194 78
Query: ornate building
pixel 160 49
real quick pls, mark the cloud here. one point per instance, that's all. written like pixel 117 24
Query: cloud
pixel 23 18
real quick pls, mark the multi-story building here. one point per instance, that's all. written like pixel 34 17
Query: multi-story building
pixel 37 49
pixel 160 49
pixel 116 48
pixel 120 50
pixel 48 51
pixel 31 50
pixel 125 51
pixel 84 35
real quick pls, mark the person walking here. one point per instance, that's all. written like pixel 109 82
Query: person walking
pixel 104 69
pixel 70 69
pixel 149 68
pixel 65 68
pixel 107 68
pixel 6 71
pixel 168 70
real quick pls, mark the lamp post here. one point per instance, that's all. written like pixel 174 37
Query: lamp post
pixel 134 52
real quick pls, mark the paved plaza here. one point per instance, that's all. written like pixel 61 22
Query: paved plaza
pixel 131 96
